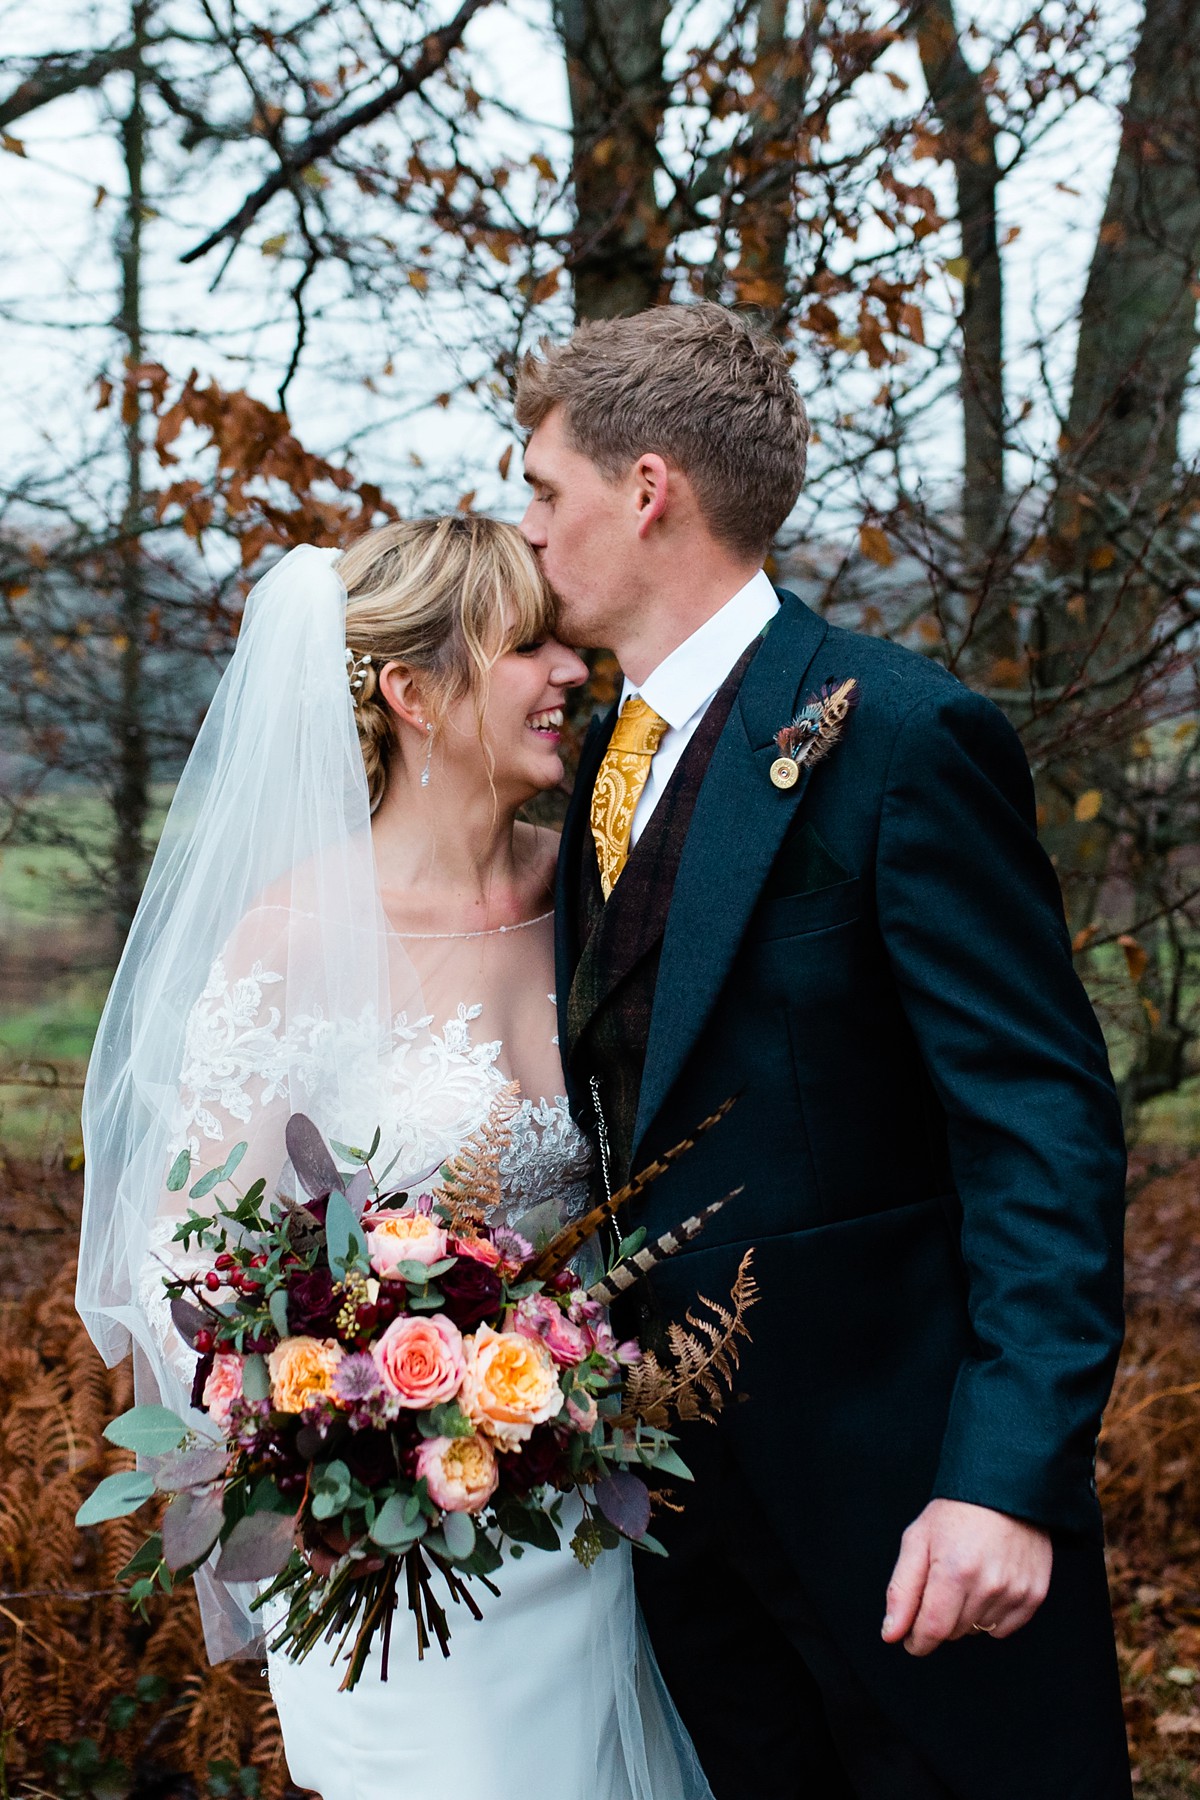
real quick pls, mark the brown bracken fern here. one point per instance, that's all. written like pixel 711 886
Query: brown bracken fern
pixel 470 1183
pixel 69 1644
pixel 693 1383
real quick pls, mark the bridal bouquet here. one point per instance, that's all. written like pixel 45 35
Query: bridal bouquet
pixel 399 1389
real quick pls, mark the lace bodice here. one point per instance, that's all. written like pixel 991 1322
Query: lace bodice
pixel 428 1090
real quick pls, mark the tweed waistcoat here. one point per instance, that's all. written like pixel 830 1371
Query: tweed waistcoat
pixel 612 993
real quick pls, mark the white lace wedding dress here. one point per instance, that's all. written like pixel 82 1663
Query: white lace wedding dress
pixel 554 1695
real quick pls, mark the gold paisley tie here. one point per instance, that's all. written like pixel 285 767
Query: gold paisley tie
pixel 636 736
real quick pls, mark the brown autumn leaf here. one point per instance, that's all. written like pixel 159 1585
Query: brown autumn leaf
pixel 1135 957
pixel 873 543
pixel 505 463
pixel 1088 805
pixel 1083 938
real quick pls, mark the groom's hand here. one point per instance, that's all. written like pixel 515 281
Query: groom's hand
pixel 962 1568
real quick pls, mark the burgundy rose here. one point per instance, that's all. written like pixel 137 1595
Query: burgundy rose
pixel 310 1304
pixel 470 1293
pixel 541 1460
pixel 369 1457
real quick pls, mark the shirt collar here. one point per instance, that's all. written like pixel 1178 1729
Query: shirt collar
pixel 687 679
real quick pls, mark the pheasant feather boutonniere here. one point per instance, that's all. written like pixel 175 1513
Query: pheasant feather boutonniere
pixel 814 731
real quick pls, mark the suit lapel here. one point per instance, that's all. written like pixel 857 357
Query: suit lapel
pixel 736 830
pixel 577 821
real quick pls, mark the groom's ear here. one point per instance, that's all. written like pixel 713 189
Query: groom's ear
pixel 651 482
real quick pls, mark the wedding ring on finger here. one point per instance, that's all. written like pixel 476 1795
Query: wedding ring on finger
pixel 986 1629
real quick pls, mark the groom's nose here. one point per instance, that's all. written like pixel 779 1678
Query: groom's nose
pixel 529 528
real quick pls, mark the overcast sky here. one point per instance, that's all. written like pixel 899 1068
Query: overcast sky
pixel 57 280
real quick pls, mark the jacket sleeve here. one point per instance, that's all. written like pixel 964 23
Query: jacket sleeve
pixel 971 916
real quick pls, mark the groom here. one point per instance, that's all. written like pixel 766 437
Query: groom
pixel 888 1581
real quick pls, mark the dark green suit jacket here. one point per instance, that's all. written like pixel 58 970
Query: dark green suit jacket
pixel 876 961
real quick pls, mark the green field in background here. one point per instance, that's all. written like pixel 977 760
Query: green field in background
pixel 58 959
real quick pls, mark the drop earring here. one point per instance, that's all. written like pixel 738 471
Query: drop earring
pixel 428 757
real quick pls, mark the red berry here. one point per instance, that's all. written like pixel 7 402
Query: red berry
pixel 224 1261
pixel 259 1261
pixel 212 1281
pixel 562 1283
pixel 249 1285
pixel 204 1341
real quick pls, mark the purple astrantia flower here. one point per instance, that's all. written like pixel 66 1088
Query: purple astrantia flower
pixel 511 1245
pixel 356 1385
pixel 356 1379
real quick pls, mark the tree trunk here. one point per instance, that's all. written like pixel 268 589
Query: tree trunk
pixel 958 98
pixel 767 165
pixel 614 51
pixel 131 787
pixel 1117 498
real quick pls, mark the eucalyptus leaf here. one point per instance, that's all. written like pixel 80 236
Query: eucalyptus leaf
pixel 150 1430
pixel 669 1462
pixel 459 1533
pixel 232 1160
pixel 625 1502
pixel 116 1496
pixel 279 1311
pixel 526 1524
pixel 331 1489
pixel 257 1547
pixel 344 1239
pixel 347 1152
pixel 191 1526
pixel 629 1246
pixel 256 1379
pixel 315 1168
pixel 192 1466
pixel 358 1191
pixel 205 1185
pixel 180 1169
pixel 393 1530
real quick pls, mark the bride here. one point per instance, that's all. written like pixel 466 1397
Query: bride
pixel 346 917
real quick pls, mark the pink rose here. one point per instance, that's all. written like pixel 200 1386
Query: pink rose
pixel 223 1387
pixel 396 1237
pixel 421 1360
pixel 541 1318
pixel 461 1473
pixel 480 1250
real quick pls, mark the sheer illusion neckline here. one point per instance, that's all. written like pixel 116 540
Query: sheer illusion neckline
pixel 409 937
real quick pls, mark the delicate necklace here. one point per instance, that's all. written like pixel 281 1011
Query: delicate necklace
pixel 492 931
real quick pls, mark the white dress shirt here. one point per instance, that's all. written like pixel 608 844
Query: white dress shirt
pixel 684 685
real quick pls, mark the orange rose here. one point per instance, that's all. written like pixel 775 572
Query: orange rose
pixel 511 1385
pixel 301 1370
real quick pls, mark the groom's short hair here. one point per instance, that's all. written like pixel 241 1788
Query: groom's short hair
pixel 700 386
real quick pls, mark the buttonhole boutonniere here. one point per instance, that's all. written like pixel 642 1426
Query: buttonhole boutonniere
pixel 814 731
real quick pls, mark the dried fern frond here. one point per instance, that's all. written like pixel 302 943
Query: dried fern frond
pixel 693 1383
pixel 559 1251
pixel 470 1180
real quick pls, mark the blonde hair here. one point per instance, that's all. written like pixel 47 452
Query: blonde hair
pixel 447 597
pixel 698 385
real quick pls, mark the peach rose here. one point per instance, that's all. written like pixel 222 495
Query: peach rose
pixel 223 1387
pixel 396 1237
pixel 461 1473
pixel 301 1370
pixel 511 1385
pixel 421 1360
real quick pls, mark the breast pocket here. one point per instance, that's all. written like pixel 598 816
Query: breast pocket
pixel 820 909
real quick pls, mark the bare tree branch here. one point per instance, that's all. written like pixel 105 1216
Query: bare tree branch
pixel 434 53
